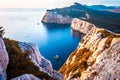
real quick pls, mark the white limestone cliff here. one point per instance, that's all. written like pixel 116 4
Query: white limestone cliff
pixel 43 64
pixel 97 56
pixel 53 17
pixel 4 59
pixel 82 26
pixel 34 55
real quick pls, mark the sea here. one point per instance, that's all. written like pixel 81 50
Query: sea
pixel 52 39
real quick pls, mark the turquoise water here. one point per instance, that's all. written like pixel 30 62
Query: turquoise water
pixel 52 39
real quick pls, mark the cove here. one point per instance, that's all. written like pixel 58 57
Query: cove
pixel 52 39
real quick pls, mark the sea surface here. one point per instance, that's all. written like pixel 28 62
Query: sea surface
pixel 53 39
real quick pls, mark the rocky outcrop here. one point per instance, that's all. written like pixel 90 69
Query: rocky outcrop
pixel 82 26
pixel 53 17
pixel 26 77
pixel 3 60
pixel 97 56
pixel 25 62
pixel 43 64
pixel 106 64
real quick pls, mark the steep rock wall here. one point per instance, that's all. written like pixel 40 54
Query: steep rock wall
pixel 4 59
pixel 53 17
pixel 43 64
pixel 82 26
pixel 96 57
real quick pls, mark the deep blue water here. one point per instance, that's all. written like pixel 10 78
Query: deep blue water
pixel 60 42
pixel 52 39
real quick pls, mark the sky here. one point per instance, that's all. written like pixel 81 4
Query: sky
pixel 53 3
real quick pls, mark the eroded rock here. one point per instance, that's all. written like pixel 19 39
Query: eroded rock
pixel 4 59
pixel 43 64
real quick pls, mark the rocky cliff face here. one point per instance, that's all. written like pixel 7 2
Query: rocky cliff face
pixel 43 64
pixel 102 19
pixel 53 17
pixel 3 60
pixel 82 26
pixel 97 56
pixel 25 62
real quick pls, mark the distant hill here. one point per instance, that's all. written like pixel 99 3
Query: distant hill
pixel 104 19
pixel 101 7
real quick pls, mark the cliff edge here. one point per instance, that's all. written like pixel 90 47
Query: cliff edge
pixel 102 19
pixel 20 60
pixel 54 17
pixel 97 56
pixel 42 63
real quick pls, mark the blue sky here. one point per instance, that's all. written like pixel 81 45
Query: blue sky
pixel 52 3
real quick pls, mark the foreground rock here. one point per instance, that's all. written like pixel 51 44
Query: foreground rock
pixel 53 17
pixel 96 58
pixel 3 60
pixel 25 62
pixel 43 64
pixel 26 77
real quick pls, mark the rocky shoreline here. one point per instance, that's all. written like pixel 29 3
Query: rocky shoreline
pixel 96 57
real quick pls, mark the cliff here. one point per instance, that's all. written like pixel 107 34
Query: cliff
pixel 3 60
pixel 82 26
pixel 25 62
pixel 41 62
pixel 97 56
pixel 102 19
pixel 53 17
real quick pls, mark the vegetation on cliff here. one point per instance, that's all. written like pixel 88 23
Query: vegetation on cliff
pixel 80 62
pixel 19 63
pixel 102 19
